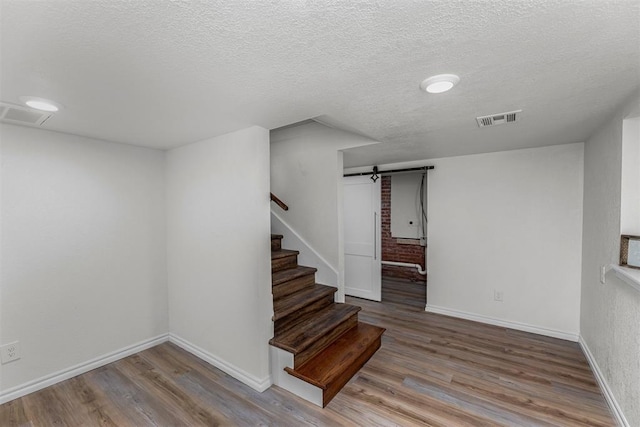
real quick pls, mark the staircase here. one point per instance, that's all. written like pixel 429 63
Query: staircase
pixel 318 344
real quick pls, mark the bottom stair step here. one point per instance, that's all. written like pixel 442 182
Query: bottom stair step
pixel 334 366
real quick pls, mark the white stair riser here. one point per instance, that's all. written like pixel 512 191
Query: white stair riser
pixel 281 359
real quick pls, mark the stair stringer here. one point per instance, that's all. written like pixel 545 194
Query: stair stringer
pixel 281 359
pixel 327 274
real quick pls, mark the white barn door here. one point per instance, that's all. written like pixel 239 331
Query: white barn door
pixel 362 268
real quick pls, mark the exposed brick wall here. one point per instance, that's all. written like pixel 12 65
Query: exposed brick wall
pixel 391 250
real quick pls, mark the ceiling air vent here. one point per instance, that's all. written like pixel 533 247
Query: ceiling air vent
pixel 10 113
pixel 498 119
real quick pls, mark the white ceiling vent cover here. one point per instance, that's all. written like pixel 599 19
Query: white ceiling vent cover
pixel 20 115
pixel 498 119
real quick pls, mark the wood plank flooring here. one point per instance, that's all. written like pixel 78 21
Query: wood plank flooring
pixel 431 370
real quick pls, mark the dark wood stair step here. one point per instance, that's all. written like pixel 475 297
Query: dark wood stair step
pixel 283 253
pixel 276 242
pixel 320 327
pixel 283 260
pixel 296 301
pixel 288 281
pixel 283 276
pixel 334 366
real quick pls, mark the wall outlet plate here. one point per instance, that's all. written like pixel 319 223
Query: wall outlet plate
pixel 498 296
pixel 10 352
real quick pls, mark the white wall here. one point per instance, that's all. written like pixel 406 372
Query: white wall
pixel 306 173
pixel 83 249
pixel 405 206
pixel 630 196
pixel 610 313
pixel 218 233
pixel 508 221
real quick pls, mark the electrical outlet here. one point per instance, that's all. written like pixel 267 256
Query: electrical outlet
pixel 497 296
pixel 10 352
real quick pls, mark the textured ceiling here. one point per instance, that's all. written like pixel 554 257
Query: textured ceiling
pixel 165 73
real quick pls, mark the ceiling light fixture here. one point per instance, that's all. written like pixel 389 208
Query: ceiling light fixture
pixel 40 104
pixel 440 83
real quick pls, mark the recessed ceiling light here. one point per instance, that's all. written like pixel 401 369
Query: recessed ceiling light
pixel 440 83
pixel 40 104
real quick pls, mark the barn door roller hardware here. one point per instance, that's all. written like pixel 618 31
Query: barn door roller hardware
pixel 374 173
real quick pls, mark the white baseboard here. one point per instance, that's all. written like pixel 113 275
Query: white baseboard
pixel 65 374
pixel 56 377
pixel 258 384
pixel 569 336
pixel 604 386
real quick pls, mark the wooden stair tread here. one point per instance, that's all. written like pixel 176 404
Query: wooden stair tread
pixel 290 274
pixel 327 365
pixel 312 327
pixel 283 253
pixel 291 303
pixel 276 242
pixel 334 366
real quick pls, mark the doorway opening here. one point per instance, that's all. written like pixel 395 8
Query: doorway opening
pixel 385 235
pixel 403 239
